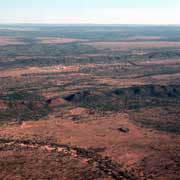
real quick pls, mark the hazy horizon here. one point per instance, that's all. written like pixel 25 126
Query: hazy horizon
pixel 114 12
pixel 82 24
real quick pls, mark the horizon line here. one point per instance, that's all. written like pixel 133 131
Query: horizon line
pixel 90 24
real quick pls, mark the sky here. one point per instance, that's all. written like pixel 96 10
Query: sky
pixel 90 11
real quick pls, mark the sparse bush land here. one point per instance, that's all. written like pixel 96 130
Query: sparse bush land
pixel 89 102
pixel 22 106
pixel 134 99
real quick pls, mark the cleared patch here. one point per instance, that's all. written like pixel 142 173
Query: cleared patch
pixel 133 45
pixel 10 41
pixel 48 40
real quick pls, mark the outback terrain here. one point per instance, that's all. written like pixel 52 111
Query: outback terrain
pixel 89 102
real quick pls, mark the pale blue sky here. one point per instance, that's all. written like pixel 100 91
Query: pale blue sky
pixel 90 11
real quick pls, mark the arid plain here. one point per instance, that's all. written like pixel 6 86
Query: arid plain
pixel 89 102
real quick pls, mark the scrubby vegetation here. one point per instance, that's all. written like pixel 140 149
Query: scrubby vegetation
pixel 136 100
pixel 128 98
pixel 114 90
pixel 22 106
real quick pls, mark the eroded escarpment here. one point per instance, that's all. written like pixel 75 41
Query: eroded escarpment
pixel 152 106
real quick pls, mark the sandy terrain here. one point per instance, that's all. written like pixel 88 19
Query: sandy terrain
pixel 16 72
pixel 9 41
pixel 47 40
pixel 137 38
pixel 130 149
pixel 133 45
pixel 91 109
